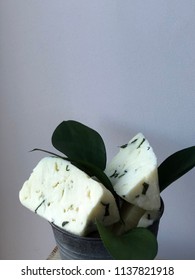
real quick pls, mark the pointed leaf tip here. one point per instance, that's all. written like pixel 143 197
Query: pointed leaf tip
pixel 175 166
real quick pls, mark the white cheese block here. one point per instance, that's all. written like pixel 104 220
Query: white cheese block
pixel 133 173
pixel 149 218
pixel 66 196
pixel 130 215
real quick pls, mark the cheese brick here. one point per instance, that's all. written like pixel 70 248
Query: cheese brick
pixel 66 196
pixel 133 173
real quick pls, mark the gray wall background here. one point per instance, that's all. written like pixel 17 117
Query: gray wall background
pixel 120 67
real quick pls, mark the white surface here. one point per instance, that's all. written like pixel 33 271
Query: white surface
pixel 118 66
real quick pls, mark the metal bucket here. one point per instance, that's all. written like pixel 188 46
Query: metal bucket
pixel 74 247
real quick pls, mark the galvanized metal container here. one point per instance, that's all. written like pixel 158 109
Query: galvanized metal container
pixel 74 247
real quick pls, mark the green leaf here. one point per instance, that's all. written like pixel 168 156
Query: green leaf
pixel 48 152
pixel 79 142
pixel 137 244
pixel 176 166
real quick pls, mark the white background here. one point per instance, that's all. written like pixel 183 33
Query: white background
pixel 120 67
pixel 102 269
